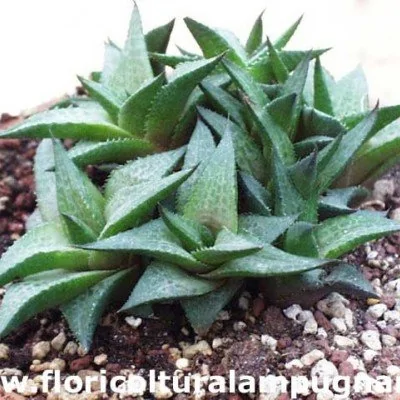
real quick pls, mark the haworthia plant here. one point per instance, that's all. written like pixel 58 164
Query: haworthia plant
pixel 246 162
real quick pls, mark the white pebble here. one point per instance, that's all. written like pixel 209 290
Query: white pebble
pixel 244 303
pixel 349 318
pixel 293 311
pixel 339 324
pixel 162 391
pixel 356 363
pixel 312 357
pixel 133 322
pixel 369 355
pixel 388 340
pixel 304 316
pixel 392 316
pixel 182 363
pixel 296 363
pixel 321 333
pixel 310 327
pixel 269 341
pixel 239 326
pixel 201 347
pixel 40 350
pixel 371 339
pixel 344 342
pixel 393 370
pixel 324 370
pixel 217 342
pixel 377 310
pixel 325 395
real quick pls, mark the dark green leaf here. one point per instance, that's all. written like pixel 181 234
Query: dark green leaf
pixel 255 197
pixel 322 97
pixel 306 146
pixel 162 281
pixel 278 67
pixel 282 109
pixel 256 35
pixel 283 40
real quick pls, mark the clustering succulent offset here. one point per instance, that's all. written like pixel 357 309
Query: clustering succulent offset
pixel 241 164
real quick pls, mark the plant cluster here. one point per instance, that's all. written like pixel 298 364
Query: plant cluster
pixel 242 163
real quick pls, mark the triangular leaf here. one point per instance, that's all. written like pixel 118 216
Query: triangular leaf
pixel 152 239
pixel 84 312
pixel 202 311
pixel 283 40
pixel 256 198
pixel 278 67
pixel 228 246
pixel 170 102
pixel 68 123
pixel 133 113
pixel 41 292
pixel 127 208
pixel 282 110
pixel 322 97
pixel 213 201
pixel 42 248
pixel 143 169
pixel 162 281
pixel 256 34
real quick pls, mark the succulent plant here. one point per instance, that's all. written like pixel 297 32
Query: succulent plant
pixel 241 165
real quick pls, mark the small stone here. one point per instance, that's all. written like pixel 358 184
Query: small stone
pixel 88 374
pixel 82 352
pixel 304 316
pixel 269 341
pixel 338 356
pixel 58 342
pixel 371 339
pixel 182 363
pixel 201 347
pixel 377 310
pixel 321 333
pixel 357 363
pixel 162 391
pixel 71 348
pixel 339 324
pixel 101 359
pixel 323 321
pixel 393 370
pixel 80 363
pixel 57 364
pixel 344 342
pixel 349 318
pixel 369 355
pixel 40 350
pixel 325 395
pixel 224 315
pixel 133 322
pixel 243 303
pixel 388 340
pixel 324 370
pixel 296 363
pixel 346 369
pixel 4 351
pixel 310 327
pixel 312 357
pixel 10 372
pixel 392 316
pixel 217 342
pixel 332 308
pixel 239 326
pixel 293 311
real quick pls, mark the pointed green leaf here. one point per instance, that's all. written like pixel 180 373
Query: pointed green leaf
pixel 170 102
pixel 336 236
pixel 125 77
pixel 265 229
pixel 256 34
pixel 288 200
pixel 42 248
pixel 376 156
pixel 157 41
pixel 213 201
pixel 104 96
pixel 68 123
pixel 112 57
pixel 337 201
pixel 112 151
pixel 314 122
pixel 143 169
pixel 228 246
pixel 345 152
pixel 248 154
pixel 192 234
pixel 278 67
pixel 40 292
pixel 224 103
pixel 161 282
pixel 84 312
pixel 201 146
pixel 34 220
pixel 269 261
pixel 245 82
pixel 77 196
pixel 303 174
pixel 255 197
pixel 300 240
pixel 132 116
pixel 202 311
pixel 152 239
pixel 214 41
pixel 172 60
pixel 322 97
pixel 350 95
pixel 306 146
pixel 131 205
pixel 282 110
pixel 45 181
pixel 283 40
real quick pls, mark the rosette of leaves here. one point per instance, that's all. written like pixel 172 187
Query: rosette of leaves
pixel 253 195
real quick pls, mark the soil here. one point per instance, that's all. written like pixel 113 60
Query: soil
pixel 236 341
